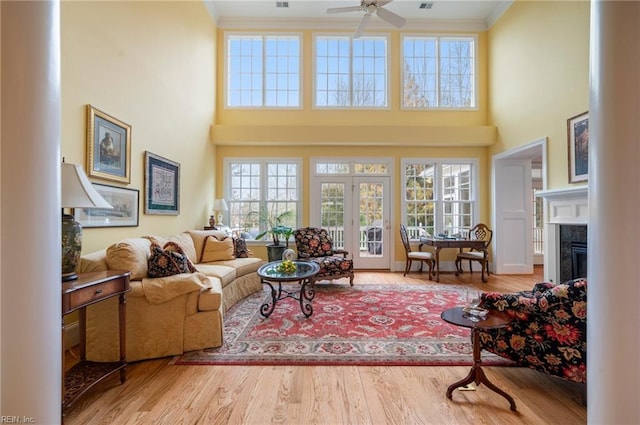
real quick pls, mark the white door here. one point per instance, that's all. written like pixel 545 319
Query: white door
pixel 355 211
pixel 512 239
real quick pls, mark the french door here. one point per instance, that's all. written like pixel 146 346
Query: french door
pixel 355 211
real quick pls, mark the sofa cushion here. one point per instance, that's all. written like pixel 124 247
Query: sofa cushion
pixel 162 289
pixel 211 299
pixel 215 249
pixel 168 260
pixel 199 237
pixel 244 266
pixel 183 239
pixel 130 254
pixel 226 274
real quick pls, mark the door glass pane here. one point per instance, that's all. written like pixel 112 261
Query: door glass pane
pixel 332 211
pixel 371 215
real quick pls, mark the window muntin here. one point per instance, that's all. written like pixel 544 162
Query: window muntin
pixel 350 73
pixel 263 71
pixel 438 72
pixel 261 190
pixel 439 196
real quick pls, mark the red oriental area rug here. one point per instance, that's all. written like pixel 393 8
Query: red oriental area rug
pixel 368 325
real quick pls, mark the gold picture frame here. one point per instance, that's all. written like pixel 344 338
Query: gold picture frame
pixel 108 147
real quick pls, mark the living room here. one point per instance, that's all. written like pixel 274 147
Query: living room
pixel 158 67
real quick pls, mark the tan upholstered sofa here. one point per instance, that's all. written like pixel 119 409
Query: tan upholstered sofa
pixel 168 315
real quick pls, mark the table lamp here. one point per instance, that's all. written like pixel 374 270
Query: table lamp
pixel 77 192
pixel 220 206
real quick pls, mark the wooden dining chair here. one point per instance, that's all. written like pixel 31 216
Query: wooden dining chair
pixel 479 232
pixel 424 257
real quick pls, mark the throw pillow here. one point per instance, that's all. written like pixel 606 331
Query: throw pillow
pixel 168 260
pixel 240 248
pixel 215 249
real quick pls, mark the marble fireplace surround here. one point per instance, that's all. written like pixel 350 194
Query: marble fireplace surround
pixel 569 206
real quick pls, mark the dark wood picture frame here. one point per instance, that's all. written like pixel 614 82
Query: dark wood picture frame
pixel 162 185
pixel 578 146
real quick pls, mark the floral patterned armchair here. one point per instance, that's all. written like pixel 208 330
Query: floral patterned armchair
pixel 314 244
pixel 549 328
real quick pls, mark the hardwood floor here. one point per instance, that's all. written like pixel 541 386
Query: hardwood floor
pixel 159 393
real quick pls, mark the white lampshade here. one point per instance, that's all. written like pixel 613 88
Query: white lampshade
pixel 220 205
pixel 77 191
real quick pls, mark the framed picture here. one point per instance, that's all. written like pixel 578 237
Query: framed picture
pixel 125 212
pixel 578 136
pixel 108 147
pixel 162 185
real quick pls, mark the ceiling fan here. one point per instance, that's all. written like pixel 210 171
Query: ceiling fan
pixel 369 7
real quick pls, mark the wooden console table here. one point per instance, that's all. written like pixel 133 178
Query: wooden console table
pixel 91 288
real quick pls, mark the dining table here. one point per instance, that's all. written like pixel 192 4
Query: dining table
pixel 452 242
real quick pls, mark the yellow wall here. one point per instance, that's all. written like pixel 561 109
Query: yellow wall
pixel 393 132
pixel 394 152
pixel 151 65
pixel 539 77
pixel 365 127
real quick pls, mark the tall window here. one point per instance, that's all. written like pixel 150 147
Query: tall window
pixel 262 192
pixel 439 72
pixel 439 196
pixel 263 71
pixel 350 73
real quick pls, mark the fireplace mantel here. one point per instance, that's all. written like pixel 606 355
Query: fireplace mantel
pixel 567 206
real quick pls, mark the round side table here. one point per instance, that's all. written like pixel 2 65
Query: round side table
pixel 495 319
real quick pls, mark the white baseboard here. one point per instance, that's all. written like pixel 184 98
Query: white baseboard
pixel 71 335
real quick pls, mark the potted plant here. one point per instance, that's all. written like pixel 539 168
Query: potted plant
pixel 276 228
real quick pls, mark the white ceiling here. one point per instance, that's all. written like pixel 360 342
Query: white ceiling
pixel 470 15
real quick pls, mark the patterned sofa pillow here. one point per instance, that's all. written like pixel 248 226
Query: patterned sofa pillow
pixel 168 260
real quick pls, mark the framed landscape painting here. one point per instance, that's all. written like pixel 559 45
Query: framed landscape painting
pixel 162 185
pixel 578 140
pixel 108 147
pixel 125 212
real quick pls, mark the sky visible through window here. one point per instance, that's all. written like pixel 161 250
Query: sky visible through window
pixel 263 71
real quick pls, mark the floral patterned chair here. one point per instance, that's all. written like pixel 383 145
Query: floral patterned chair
pixel 314 244
pixel 549 328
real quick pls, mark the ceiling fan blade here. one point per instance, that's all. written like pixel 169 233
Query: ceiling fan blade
pixel 344 9
pixel 395 20
pixel 362 25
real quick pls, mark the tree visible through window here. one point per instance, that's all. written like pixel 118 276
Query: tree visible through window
pixel 350 73
pixel 438 72
pixel 438 196
pixel 262 192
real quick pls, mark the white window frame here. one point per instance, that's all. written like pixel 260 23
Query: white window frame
pixel 438 190
pixel 438 37
pixel 264 162
pixel 385 36
pixel 230 34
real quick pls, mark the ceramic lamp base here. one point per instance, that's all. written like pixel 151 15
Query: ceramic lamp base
pixel 71 247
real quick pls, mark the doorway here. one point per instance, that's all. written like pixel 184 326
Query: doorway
pixel 355 210
pixel 513 207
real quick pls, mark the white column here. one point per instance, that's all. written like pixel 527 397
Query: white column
pixel 30 259
pixel 613 335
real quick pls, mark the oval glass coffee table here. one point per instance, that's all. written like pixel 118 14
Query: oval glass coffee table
pixel 494 319
pixel 305 271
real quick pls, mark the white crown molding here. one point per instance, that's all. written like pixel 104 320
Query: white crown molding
pixel 498 12
pixel 349 24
